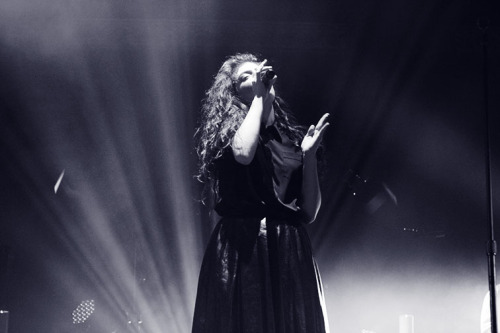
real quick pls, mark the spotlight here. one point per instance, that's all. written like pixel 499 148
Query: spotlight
pixel 83 311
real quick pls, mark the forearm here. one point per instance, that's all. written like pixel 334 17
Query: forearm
pixel 311 194
pixel 246 137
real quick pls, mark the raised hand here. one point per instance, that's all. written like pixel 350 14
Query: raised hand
pixel 314 135
pixel 249 83
pixel 259 88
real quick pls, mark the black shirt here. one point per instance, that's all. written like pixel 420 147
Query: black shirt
pixel 270 186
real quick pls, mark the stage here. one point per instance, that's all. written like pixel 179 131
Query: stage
pixel 102 226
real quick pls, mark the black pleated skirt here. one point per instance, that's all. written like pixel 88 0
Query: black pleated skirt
pixel 259 276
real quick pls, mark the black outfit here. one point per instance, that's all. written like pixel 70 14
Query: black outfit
pixel 258 273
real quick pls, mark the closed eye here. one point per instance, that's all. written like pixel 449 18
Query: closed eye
pixel 243 77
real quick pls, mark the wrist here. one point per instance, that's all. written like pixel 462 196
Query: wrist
pixel 308 156
pixel 258 99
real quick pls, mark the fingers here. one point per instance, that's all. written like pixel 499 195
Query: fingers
pixel 322 131
pixel 310 131
pixel 261 69
pixel 321 122
pixel 317 131
pixel 273 80
pixel 320 127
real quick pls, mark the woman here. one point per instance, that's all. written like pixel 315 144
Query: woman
pixel 258 272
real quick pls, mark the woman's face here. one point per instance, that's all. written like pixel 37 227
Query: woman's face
pixel 245 79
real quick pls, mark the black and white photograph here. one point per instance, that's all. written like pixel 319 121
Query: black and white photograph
pixel 216 166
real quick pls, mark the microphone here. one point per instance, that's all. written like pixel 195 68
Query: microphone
pixel 267 76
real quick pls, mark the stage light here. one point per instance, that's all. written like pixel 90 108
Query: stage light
pixel 83 311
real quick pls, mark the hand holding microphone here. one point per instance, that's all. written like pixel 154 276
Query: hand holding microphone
pixel 266 76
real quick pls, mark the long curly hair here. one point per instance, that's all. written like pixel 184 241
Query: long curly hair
pixel 222 113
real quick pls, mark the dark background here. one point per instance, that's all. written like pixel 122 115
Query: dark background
pixel 109 92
